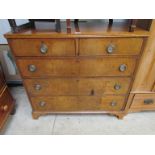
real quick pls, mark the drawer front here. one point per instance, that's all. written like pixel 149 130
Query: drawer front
pixel 72 67
pixel 2 82
pixel 107 67
pixel 108 46
pixel 5 98
pixel 48 67
pixel 75 103
pixel 43 47
pixel 74 86
pixel 6 102
pixel 143 101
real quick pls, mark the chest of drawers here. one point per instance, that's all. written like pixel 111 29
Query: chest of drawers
pixel 77 73
pixel 6 101
pixel 142 95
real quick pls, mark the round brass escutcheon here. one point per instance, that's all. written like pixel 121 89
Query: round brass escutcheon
pixel 122 68
pixel 111 48
pixel 43 48
pixel 117 86
pixel 113 103
pixel 42 104
pixel 32 68
pixel 37 87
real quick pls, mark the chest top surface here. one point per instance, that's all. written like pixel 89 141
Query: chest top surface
pixel 86 29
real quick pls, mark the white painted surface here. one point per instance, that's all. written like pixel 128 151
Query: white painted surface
pixel 4 27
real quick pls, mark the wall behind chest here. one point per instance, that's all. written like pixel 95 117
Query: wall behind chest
pixel 6 59
pixel 5 27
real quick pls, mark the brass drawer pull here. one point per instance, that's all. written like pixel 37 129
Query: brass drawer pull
pixel 43 48
pixel 37 87
pixel 42 104
pixel 117 87
pixel 113 103
pixel 32 68
pixel 4 108
pixel 111 48
pixel 122 68
pixel 148 101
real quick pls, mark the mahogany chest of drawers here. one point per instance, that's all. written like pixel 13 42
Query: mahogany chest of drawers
pixel 6 101
pixel 77 73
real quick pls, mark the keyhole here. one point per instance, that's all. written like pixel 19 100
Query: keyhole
pixel 92 92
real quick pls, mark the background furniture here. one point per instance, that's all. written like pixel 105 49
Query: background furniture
pixel 132 23
pixel 9 68
pixel 142 95
pixel 31 24
pixel 90 69
pixel 6 101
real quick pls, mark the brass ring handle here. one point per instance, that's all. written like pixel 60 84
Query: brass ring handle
pixel 113 103
pixel 117 86
pixel 110 48
pixel 32 68
pixel 43 48
pixel 37 87
pixel 122 67
pixel 42 104
pixel 148 101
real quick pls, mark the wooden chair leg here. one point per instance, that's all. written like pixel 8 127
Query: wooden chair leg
pixel 13 25
pixel 76 24
pixel 132 25
pixel 110 22
pixel 68 25
pixel 58 26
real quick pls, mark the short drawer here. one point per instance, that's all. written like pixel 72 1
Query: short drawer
pixel 77 86
pixel 143 101
pixel 75 103
pixel 43 47
pixel 90 67
pixel 110 46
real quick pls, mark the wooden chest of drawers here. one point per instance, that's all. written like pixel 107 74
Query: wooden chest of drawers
pixel 142 94
pixel 77 73
pixel 6 101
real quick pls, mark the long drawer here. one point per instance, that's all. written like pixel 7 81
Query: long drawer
pixel 143 101
pixel 106 46
pixel 84 67
pixel 77 86
pixel 78 103
pixel 43 47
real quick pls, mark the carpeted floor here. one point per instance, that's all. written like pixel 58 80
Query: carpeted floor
pixel 22 122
